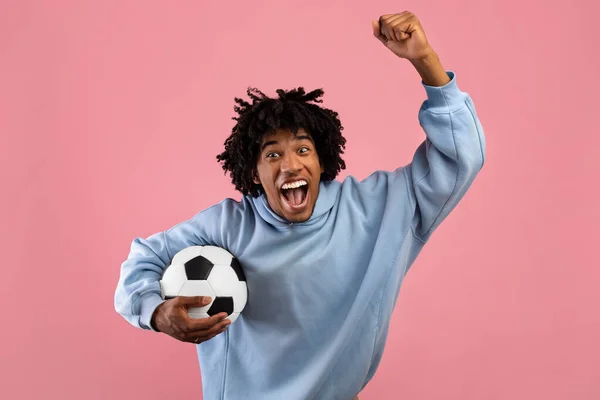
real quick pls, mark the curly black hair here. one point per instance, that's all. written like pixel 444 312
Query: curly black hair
pixel 292 110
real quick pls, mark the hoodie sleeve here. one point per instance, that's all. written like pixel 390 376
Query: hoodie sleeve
pixel 445 165
pixel 138 291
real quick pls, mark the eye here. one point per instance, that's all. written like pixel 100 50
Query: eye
pixel 302 150
pixel 272 155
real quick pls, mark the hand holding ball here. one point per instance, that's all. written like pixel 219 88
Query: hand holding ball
pixel 205 288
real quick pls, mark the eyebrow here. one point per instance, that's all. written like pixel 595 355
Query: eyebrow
pixel 271 142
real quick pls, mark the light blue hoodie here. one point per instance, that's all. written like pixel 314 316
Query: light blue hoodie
pixel 321 292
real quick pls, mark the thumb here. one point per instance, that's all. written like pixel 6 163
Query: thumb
pixel 377 31
pixel 194 300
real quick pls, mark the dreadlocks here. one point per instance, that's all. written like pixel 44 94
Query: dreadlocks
pixel 292 110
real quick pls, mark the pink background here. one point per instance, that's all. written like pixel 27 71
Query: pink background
pixel 112 113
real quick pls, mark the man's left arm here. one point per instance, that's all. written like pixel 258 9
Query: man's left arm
pixel 446 163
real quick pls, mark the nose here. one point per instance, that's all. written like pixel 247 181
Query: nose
pixel 290 163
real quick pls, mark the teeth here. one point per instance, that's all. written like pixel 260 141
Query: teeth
pixel 294 185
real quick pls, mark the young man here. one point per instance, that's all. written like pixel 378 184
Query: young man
pixel 324 260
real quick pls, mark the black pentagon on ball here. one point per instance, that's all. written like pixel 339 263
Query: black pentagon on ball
pixel 238 269
pixel 221 304
pixel 198 268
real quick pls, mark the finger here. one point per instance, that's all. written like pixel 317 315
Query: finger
pixel 387 17
pixel 391 23
pixel 383 28
pixel 191 301
pixel 405 27
pixel 199 324
pixel 377 31
pixel 207 333
pixel 200 339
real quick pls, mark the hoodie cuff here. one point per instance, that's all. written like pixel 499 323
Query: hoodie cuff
pixel 445 98
pixel 148 305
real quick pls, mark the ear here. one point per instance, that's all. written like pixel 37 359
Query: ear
pixel 322 168
pixel 255 178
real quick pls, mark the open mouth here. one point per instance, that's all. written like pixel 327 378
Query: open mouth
pixel 295 194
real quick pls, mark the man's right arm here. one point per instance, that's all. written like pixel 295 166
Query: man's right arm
pixel 138 294
pixel 138 290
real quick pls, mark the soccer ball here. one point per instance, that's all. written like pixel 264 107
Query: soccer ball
pixel 207 271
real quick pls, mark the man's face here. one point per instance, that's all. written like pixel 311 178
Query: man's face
pixel 289 171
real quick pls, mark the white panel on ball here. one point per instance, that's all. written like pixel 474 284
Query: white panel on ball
pixel 172 280
pixel 217 255
pixel 221 279
pixel 233 316
pixel 194 312
pixel 239 292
